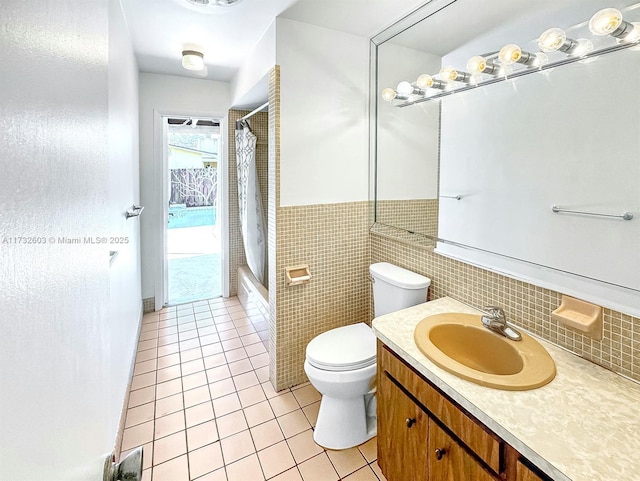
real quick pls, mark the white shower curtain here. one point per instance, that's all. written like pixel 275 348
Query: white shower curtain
pixel 249 201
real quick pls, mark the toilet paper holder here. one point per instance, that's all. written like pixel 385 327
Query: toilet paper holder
pixel 297 275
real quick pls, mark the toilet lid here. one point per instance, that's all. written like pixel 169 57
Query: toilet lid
pixel 343 349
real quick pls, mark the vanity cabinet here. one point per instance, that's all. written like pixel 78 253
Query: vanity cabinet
pixel 450 461
pixel 523 473
pixel 423 435
pixel 402 453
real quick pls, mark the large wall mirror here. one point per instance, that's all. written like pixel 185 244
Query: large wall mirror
pixel 513 150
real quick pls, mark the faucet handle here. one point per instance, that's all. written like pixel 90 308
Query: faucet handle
pixel 495 312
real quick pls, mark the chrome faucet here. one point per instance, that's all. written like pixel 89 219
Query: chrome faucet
pixel 495 319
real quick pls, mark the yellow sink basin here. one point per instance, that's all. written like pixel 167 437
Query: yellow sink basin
pixel 461 345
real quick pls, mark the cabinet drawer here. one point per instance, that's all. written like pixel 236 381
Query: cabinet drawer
pixel 485 445
pixel 448 461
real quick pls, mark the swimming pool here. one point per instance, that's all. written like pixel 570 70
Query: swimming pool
pixel 181 216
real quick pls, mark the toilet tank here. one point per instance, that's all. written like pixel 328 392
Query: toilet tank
pixel 395 288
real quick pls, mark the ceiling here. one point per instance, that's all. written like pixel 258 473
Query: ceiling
pixel 161 29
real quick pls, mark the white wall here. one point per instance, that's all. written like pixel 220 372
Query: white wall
pixel 324 123
pixel 62 377
pixel 407 138
pixel 250 85
pixel 166 95
pixel 125 298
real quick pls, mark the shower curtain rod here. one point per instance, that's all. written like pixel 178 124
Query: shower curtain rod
pixel 253 112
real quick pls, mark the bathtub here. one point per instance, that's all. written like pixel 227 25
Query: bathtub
pixel 251 293
pixel 254 297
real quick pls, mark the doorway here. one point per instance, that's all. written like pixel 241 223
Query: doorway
pixel 193 253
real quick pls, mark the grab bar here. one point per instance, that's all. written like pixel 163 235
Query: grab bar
pixel 135 211
pixel 624 215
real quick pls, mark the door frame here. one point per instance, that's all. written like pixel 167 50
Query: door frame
pixel 161 199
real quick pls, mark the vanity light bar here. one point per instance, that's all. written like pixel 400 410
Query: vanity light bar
pixel 520 73
pixel 607 21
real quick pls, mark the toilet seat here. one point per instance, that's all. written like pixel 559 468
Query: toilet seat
pixel 343 349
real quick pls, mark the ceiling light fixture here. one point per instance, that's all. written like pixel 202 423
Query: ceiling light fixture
pixel 192 60
pixel 213 3
pixel 225 3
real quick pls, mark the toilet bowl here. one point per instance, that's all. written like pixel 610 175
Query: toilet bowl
pixel 341 363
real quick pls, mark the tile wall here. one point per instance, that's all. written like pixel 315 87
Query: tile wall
pixel 273 203
pixel 333 239
pixel 526 305
pixel 417 215
pixel 259 126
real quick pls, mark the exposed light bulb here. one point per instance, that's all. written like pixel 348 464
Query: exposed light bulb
pixel 605 21
pixel 555 39
pixel 389 94
pixel 477 65
pixel 426 81
pixel 511 54
pixel 608 21
pixel 406 88
pixel 449 74
pixel 552 40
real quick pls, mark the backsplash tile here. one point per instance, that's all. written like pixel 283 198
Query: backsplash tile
pixel 526 305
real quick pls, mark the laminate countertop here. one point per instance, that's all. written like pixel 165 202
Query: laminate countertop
pixel 582 426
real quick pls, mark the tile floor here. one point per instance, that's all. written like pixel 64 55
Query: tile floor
pixel 202 405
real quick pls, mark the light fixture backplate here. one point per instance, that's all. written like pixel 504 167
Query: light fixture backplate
pixel 208 6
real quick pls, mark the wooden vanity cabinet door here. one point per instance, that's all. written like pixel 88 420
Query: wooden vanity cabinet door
pixel 402 434
pixel 525 474
pixel 449 461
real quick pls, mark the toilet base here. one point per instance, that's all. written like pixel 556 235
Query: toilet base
pixel 345 423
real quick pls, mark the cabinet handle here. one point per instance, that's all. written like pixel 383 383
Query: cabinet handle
pixel 440 452
pixel 410 422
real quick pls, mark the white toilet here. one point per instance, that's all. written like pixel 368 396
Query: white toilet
pixel 341 363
